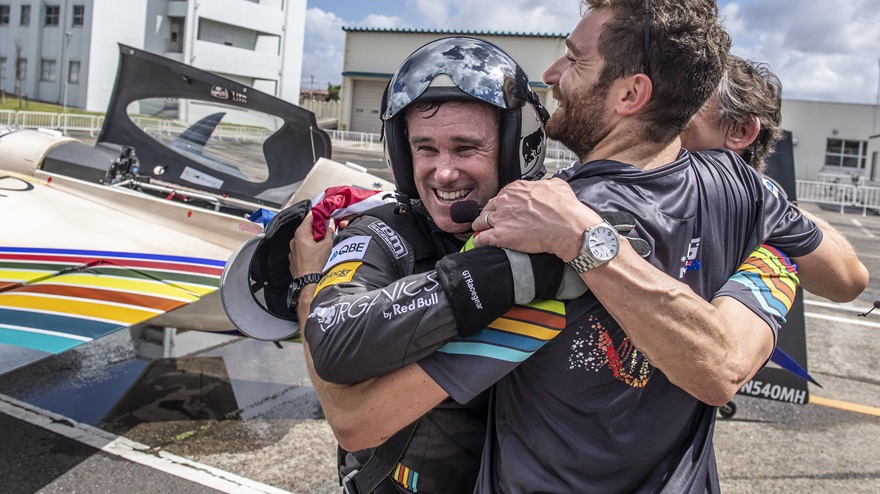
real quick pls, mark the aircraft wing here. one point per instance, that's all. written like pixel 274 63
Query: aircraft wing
pixel 79 261
pixel 52 300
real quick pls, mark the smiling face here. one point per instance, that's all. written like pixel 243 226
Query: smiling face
pixel 455 157
pixel 580 121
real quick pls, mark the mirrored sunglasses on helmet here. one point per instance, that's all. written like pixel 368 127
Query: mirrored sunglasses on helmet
pixel 475 66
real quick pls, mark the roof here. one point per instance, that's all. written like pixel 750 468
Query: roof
pixel 454 32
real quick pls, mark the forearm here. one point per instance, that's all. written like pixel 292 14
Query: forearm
pixel 366 414
pixel 833 270
pixel 358 331
pixel 693 342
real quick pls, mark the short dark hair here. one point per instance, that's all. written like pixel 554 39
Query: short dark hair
pixel 752 89
pixel 687 54
pixel 433 106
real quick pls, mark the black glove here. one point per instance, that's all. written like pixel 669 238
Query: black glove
pixel 479 286
pixel 624 222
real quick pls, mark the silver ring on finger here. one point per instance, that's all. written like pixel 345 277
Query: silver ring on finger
pixel 487 219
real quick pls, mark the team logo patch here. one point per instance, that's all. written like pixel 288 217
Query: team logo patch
pixel 690 262
pixel 350 249
pixel 341 273
pixel 391 239
pixel 771 186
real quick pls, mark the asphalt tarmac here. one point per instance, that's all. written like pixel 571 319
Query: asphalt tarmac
pixel 160 410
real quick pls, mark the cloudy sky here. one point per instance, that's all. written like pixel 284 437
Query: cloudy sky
pixel 822 50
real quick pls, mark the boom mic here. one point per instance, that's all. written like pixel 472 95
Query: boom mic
pixel 464 211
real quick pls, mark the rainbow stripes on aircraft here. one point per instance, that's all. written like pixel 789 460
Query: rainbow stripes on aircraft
pixel 52 300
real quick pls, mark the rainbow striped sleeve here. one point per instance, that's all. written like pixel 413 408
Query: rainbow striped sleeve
pixel 516 335
pixel 771 278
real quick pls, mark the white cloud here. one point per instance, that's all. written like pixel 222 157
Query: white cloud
pixel 529 16
pixel 820 50
pixel 323 49
pixel 324 44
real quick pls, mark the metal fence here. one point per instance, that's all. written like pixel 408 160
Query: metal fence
pixel 843 190
pixel 7 117
pixel 844 195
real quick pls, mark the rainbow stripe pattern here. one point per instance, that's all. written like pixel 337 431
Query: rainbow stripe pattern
pixel 771 277
pixel 409 479
pixel 516 335
pixel 52 300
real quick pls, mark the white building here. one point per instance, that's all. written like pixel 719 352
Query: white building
pixel 373 55
pixel 68 48
pixel 832 138
pixel 828 137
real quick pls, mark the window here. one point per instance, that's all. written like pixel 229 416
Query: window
pixel 4 14
pixel 2 67
pixel 73 73
pixel 53 12
pixel 79 14
pixel 25 15
pixel 846 154
pixel 170 117
pixel 47 70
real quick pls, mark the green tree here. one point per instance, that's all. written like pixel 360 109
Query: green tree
pixel 333 92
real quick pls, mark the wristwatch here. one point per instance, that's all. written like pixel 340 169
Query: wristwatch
pixel 601 243
pixel 297 285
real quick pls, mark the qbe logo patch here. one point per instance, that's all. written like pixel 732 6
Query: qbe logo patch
pixel 391 239
pixel 350 249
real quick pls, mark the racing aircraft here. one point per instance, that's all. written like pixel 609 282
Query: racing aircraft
pixel 139 226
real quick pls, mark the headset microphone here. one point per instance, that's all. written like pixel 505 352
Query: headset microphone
pixel 464 211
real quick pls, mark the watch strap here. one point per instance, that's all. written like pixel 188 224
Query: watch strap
pixel 297 285
pixel 585 260
pixel 308 279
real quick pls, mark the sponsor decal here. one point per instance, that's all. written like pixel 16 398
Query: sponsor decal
pixel 690 261
pixel 771 186
pixel 391 239
pixel 219 92
pixel 416 304
pixel 401 297
pixel 350 249
pixel 533 147
pixel 469 280
pixel 340 274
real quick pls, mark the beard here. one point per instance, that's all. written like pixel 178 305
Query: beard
pixel 580 124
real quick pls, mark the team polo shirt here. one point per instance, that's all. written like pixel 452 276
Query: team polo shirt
pixel 584 410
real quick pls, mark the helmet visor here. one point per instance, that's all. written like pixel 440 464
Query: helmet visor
pixel 477 67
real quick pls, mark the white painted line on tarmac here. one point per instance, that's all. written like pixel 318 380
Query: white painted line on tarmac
pixel 851 320
pixel 133 451
pixel 862 228
pixel 846 307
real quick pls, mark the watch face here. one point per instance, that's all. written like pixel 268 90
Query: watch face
pixel 603 243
